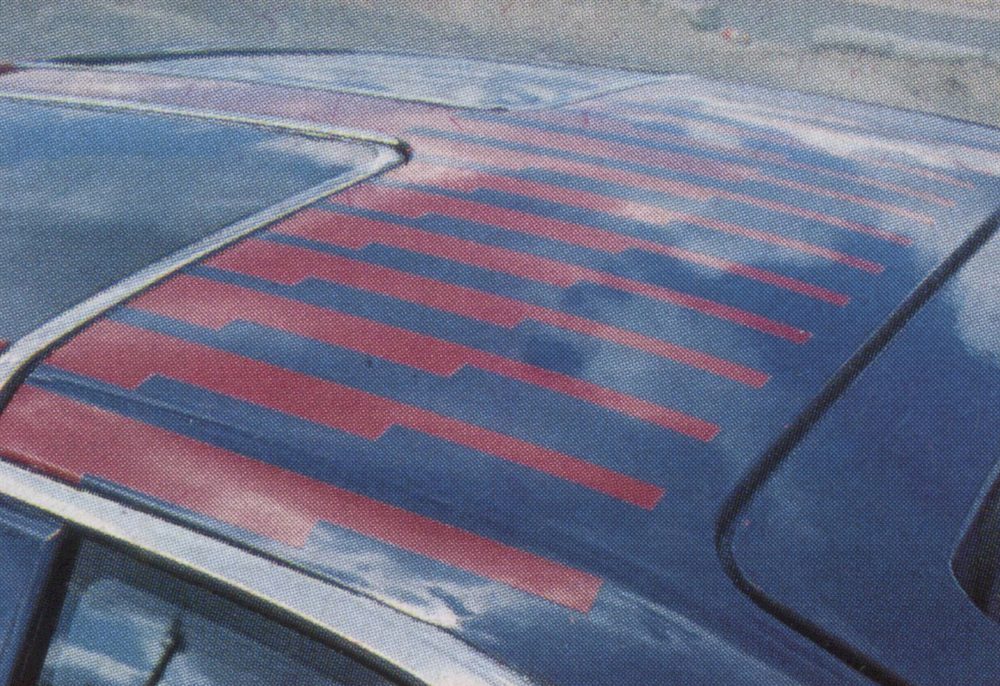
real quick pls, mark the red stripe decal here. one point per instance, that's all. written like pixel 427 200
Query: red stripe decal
pixel 458 178
pixel 357 232
pixel 743 132
pixel 214 305
pixel 71 439
pixel 100 351
pixel 635 110
pixel 291 265
pixel 729 172
pixel 414 204
pixel 600 122
pixel 918 171
pixel 727 102
pixel 674 188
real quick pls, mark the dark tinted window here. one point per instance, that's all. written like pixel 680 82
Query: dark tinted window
pixel 125 623
pixel 90 197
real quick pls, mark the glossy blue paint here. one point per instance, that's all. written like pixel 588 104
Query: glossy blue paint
pixel 857 530
pixel 667 612
pixel 451 81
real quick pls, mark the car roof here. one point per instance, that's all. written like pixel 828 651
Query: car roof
pixel 446 80
pixel 507 387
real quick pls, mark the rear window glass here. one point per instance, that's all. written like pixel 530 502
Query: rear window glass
pixel 91 196
pixel 125 623
pixel 444 80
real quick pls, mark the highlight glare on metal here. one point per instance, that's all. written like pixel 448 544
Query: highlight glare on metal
pixel 19 356
pixel 421 651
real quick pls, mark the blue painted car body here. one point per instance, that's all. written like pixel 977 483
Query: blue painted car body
pixel 745 340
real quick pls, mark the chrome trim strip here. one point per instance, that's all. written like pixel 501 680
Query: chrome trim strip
pixel 423 651
pixel 388 153
pixel 303 128
pixel 647 79
pixel 427 653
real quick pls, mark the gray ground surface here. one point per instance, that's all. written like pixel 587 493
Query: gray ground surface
pixel 762 41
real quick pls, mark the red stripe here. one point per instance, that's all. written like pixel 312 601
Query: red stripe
pixel 632 179
pixel 214 305
pixel 723 171
pixel 456 176
pixel 823 128
pixel 636 110
pixel 728 102
pixel 459 178
pixel 743 132
pixel 626 178
pixel 414 204
pixel 604 123
pixel 291 265
pixel 71 439
pixel 850 198
pixel 813 116
pixel 357 232
pixel 919 171
pixel 127 356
